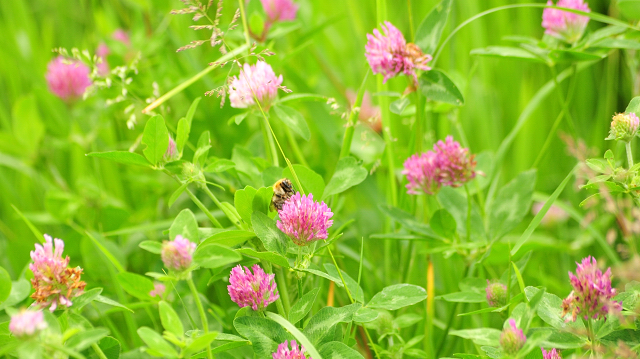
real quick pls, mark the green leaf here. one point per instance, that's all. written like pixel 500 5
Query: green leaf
pixel 325 319
pixel 300 337
pixel 464 297
pixel 220 165
pixel 507 52
pixel 5 285
pixel 338 350
pixel 311 181
pixel 354 288
pixel 430 29
pixel 185 225
pixel 184 126
pixel 156 137
pixel 111 302
pixel 243 200
pixel 303 306
pixel 634 106
pixel 151 246
pixel 348 174
pixel 155 342
pixel 215 256
pixel 550 310
pixel 480 336
pixel 85 338
pixel 262 200
pixel 443 223
pixel 271 257
pixel 229 238
pixel 124 157
pixel 19 291
pixel 238 118
pixel 512 204
pixel 170 320
pixel 201 342
pixel 293 119
pixel 272 238
pixel 408 221
pixel 264 334
pixel 437 86
pixel 630 8
pixel 365 315
pixel 202 152
pixel 136 285
pixel 86 298
pixel 110 346
pixel 398 296
pixel 177 193
pixel 399 105
pixel 535 222
pixel 28 128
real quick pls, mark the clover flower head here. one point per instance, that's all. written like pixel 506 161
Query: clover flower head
pixel 27 323
pixel 512 338
pixel 624 126
pixel 449 164
pixel 496 294
pixel 177 255
pixel 122 36
pixel 294 353
pixel 456 165
pixel 256 290
pixel 389 54
pixel 279 10
pixel 67 78
pixel 304 220
pixel 592 295
pixel 565 25
pixel 258 80
pixel 551 354
pixel 54 283
pixel 102 52
pixel 158 290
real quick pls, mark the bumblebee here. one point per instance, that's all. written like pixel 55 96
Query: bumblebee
pixel 282 191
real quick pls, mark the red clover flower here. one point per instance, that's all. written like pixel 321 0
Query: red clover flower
pixel 551 354
pixel 158 290
pixel 496 294
pixel 624 126
pixel 67 78
pixel 448 164
pixel 258 80
pixel 512 338
pixel 389 54
pixel 54 283
pixel 304 220
pixel 592 295
pixel 27 323
pixel 256 290
pixel 565 25
pixel 294 353
pixel 279 10
pixel 178 254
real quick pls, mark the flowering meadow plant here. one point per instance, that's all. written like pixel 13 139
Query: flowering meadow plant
pixel 375 180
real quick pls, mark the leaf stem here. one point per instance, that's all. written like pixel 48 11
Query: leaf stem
pixel 245 26
pixel 627 146
pixel 203 317
pixel 284 294
pixel 98 351
pixel 353 118
pixel 204 209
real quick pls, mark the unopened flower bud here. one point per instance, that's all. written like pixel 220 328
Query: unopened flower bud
pixel 512 338
pixel 496 294
pixel 624 126
pixel 177 255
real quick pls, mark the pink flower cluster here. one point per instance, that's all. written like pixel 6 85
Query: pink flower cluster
pixel 54 283
pixel 551 354
pixel 177 255
pixel 592 295
pixel 256 290
pixel 158 290
pixel 624 127
pixel 294 353
pixel 279 10
pixel 512 338
pixel 67 78
pixel 258 80
pixel 565 25
pixel 389 54
pixel 27 323
pixel 496 294
pixel 449 164
pixel 304 220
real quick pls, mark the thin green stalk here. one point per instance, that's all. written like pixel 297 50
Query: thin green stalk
pixel 226 57
pixel 232 217
pixel 411 27
pixel 429 315
pixel 284 294
pixel 98 351
pixel 547 142
pixel 563 101
pixel 269 145
pixel 418 129
pixel 627 146
pixel 245 26
pixel 204 209
pixel 340 274
pixel 203 316
pixel 353 118
pixel 294 146
pixel 469 206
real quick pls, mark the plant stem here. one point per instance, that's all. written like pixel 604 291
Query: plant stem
pixel 418 128
pixel 284 294
pixel 294 145
pixel 547 142
pixel 245 25
pixel 204 209
pixel 232 217
pixel 563 101
pixel 428 329
pixel 340 274
pixel 196 77
pixel 469 206
pixel 351 121
pixel 269 145
pixel 627 146
pixel 98 351
pixel 203 317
